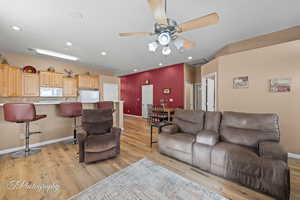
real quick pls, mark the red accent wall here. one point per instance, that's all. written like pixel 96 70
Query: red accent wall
pixel 165 77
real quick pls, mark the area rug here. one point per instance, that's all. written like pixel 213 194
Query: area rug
pixel 146 180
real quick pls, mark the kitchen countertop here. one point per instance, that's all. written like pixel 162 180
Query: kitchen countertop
pixel 54 102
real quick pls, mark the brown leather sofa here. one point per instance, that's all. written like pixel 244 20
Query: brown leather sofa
pixel 241 147
pixel 98 139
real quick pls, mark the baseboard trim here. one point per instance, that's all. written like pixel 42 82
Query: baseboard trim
pixel 128 115
pixel 294 155
pixel 10 150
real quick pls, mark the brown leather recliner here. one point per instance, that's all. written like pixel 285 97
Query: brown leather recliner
pixel 98 139
pixel 245 150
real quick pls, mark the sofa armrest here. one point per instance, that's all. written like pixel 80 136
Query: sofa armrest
pixel 81 135
pixel 207 137
pixel 117 134
pixel 272 150
pixel 116 131
pixel 171 128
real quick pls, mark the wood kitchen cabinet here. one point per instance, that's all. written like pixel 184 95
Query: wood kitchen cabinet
pixel 3 80
pixel 14 82
pixel 95 82
pixel 51 79
pixel 88 81
pixel 30 83
pixel 10 81
pixel 70 87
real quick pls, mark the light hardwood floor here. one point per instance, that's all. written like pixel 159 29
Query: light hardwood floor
pixel 58 164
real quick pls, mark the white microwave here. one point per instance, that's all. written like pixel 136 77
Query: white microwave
pixel 89 95
pixel 51 92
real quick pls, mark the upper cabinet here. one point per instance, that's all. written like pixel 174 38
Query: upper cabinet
pixel 3 80
pixel 10 81
pixel 70 87
pixel 88 81
pixel 51 79
pixel 30 85
pixel 14 82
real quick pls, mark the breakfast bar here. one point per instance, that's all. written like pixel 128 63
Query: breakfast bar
pixel 54 128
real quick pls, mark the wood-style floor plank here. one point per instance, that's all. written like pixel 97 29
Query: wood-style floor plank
pixel 58 164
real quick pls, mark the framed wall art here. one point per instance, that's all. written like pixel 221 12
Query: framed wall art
pixel 167 91
pixel 280 85
pixel 240 82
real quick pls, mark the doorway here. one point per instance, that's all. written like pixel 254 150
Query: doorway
pixel 147 99
pixel 189 96
pixel 209 92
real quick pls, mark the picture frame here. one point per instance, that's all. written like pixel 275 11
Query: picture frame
pixel 241 82
pixel 167 91
pixel 277 85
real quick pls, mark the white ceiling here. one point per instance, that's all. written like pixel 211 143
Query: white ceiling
pixel 49 24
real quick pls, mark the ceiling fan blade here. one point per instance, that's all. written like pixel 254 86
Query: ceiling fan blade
pixel 187 44
pixel 199 22
pixel 158 8
pixel 135 34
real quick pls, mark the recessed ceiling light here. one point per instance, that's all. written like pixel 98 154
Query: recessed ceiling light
pixel 160 64
pixel 55 54
pixel 69 44
pixel 135 70
pixel 103 53
pixel 16 28
pixel 190 57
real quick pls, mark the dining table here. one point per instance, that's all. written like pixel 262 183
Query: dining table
pixel 169 111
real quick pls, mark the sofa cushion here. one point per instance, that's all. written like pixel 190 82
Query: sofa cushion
pixel 189 121
pixel 212 121
pixel 172 128
pixel 231 159
pixel 249 129
pixel 207 137
pixel 244 166
pixel 272 150
pixel 100 143
pixel 97 121
pixel 202 155
pixel 246 137
pixel 179 141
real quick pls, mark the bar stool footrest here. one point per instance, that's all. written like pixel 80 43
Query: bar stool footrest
pixel 36 132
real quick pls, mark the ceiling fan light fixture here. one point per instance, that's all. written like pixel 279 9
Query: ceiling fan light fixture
pixel 152 46
pixel 166 50
pixel 179 44
pixel 164 39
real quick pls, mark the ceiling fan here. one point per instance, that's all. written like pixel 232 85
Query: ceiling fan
pixel 167 30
